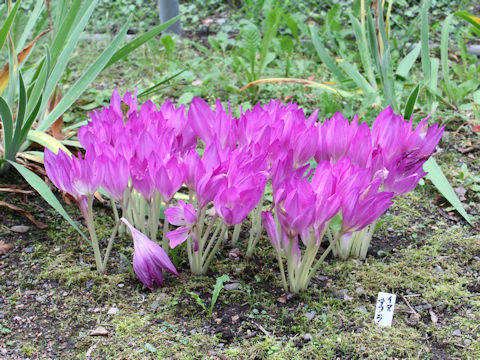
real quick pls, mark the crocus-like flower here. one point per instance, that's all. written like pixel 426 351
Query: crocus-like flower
pixel 272 231
pixel 169 178
pixel 149 259
pixel 361 206
pixel 115 173
pixel 295 202
pixel 184 216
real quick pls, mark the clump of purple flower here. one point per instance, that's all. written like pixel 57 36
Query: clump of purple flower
pixel 207 171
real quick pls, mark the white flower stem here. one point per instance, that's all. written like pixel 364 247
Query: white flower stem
pixel 93 235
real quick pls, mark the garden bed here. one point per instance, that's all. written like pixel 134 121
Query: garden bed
pixel 52 301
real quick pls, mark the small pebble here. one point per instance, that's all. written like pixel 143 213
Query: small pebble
pixel 467 342
pixel 112 311
pixel 311 315
pixel 20 229
pixel 307 337
pixel 121 285
pixel 28 249
pixel 232 286
pixel 359 290
pixel 457 333
pixel 362 308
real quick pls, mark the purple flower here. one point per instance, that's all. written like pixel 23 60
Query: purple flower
pixel 400 152
pixel 115 173
pixel 149 259
pixel 295 203
pixel 184 216
pixel 362 205
pixel 169 178
pixel 272 231
pixel 59 170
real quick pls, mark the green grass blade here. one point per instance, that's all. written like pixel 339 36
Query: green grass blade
pixel 32 20
pixel 139 41
pixel 273 19
pixel 160 83
pixel 425 46
pixel 408 61
pixel 436 176
pixel 79 87
pixel 388 80
pixel 352 71
pixel 22 104
pixel 328 60
pixel 412 99
pixel 364 51
pixel 7 120
pixel 61 62
pixel 216 290
pixel 444 56
pixel 39 185
pixel 474 20
pixel 435 65
pixel 71 20
pixel 38 89
pixel 8 23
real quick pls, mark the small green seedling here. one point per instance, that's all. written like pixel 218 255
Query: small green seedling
pixel 216 291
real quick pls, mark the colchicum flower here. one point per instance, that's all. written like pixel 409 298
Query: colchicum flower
pixel 149 259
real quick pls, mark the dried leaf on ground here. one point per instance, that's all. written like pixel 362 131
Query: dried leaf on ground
pixel 100 331
pixel 25 213
pixel 5 247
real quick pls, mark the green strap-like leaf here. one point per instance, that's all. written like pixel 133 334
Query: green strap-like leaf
pixel 32 20
pixel 425 43
pixel 79 87
pixel 7 120
pixel 412 99
pixel 436 176
pixel 474 20
pixel 364 52
pixel 408 61
pixel 139 41
pixel 70 21
pixel 328 60
pixel 61 62
pixel 22 104
pixel 39 185
pixel 7 24
pixel 444 56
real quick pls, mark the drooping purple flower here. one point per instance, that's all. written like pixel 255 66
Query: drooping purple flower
pixel 185 217
pixel 149 259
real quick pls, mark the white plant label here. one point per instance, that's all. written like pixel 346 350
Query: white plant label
pixel 384 309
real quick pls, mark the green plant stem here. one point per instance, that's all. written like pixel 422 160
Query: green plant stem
pixel 110 244
pixel 114 209
pixel 165 230
pixel 205 252
pixel 93 235
pixel 282 271
pixel 236 233
pixel 215 249
pixel 324 255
